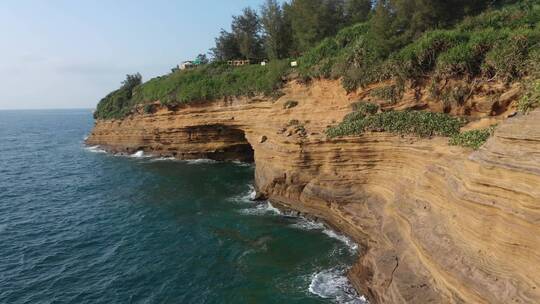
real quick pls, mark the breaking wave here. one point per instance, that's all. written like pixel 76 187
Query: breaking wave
pixel 138 154
pixel 261 209
pixel 340 237
pixel 95 149
pixel 333 284
pixel 307 224
pixel 201 161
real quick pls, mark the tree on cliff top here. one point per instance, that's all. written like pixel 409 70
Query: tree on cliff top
pixel 276 31
pixel 246 29
pixel 132 80
pixel 357 11
pixel 313 20
pixel 226 47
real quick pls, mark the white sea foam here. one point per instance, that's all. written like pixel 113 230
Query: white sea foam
pixel 306 224
pixel 261 209
pixel 333 284
pixel 340 237
pixel 200 161
pixel 241 164
pixel 95 149
pixel 138 154
pixel 246 197
pixel 159 159
pixel 272 209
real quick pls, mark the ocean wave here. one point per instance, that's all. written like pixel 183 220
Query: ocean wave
pixel 307 224
pixel 246 197
pixel 95 149
pixel 261 209
pixel 3 227
pixel 241 164
pixel 138 154
pixel 273 209
pixel 159 159
pixel 340 237
pixel 333 284
pixel 200 161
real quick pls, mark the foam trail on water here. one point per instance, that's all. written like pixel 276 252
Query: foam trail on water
pixel 340 237
pixel 333 284
pixel 306 224
pixel 262 209
pixel 246 197
pixel 271 208
pixel 95 149
pixel 200 161
pixel 159 159
pixel 242 164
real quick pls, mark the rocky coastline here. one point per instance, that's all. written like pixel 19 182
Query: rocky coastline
pixel 435 223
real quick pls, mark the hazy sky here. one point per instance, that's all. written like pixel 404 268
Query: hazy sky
pixel 70 53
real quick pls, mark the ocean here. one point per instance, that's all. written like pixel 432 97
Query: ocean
pixel 78 225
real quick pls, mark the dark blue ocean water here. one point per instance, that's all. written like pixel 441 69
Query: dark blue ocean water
pixel 80 226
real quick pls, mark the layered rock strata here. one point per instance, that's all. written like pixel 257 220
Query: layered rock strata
pixel 436 224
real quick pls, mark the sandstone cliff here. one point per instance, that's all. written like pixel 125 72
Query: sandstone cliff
pixel 436 224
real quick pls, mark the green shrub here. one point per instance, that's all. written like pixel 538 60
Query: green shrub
pixel 508 59
pixel 148 108
pixel 420 57
pixel 466 58
pixel 419 123
pixel 507 17
pixel 455 95
pixel 531 99
pixel 366 108
pixel 116 104
pixel 391 94
pixel 360 110
pixel 361 64
pixel 318 62
pixel 472 139
pixel 325 60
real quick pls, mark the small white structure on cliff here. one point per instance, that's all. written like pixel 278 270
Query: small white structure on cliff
pixel 186 65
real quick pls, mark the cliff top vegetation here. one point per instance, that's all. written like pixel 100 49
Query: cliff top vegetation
pixel 359 43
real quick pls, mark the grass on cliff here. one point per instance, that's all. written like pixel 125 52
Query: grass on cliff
pixel 497 44
pixel 213 81
pixel 366 118
pixel 419 123
pixel 473 139
pixel 531 99
pixel 207 82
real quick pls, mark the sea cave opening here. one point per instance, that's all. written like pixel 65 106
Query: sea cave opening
pixel 225 142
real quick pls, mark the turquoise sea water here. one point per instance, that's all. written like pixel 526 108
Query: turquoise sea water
pixel 81 226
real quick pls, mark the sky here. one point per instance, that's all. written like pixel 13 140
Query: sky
pixel 70 53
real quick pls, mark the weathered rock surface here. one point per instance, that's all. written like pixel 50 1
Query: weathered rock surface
pixel 436 224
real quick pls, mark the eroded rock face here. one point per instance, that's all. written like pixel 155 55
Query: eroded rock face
pixel 436 224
